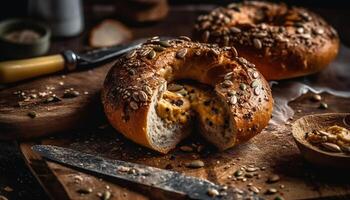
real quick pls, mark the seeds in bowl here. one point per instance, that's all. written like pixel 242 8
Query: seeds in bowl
pixel 332 139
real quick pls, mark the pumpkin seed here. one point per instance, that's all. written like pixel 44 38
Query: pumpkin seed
pixel 323 105
pixel 243 86
pixel 238 173
pixel 158 48
pixel 32 114
pixel 255 83
pixel 164 43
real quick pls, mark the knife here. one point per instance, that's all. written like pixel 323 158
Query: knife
pixel 165 180
pixel 18 70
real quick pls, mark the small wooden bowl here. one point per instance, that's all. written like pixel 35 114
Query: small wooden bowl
pixel 312 153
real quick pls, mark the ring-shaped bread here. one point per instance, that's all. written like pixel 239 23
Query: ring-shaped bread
pixel 282 41
pixel 141 101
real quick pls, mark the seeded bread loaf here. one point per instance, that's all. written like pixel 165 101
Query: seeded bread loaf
pixel 283 42
pixel 143 103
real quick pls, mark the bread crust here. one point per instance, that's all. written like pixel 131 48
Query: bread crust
pixel 140 77
pixel 283 42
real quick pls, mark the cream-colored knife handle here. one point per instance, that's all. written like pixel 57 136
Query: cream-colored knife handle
pixel 17 70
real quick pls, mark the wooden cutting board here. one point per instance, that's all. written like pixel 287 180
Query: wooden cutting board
pixel 273 152
pixel 53 115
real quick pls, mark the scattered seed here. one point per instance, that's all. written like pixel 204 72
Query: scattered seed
pixel 323 105
pixel 257 43
pixel 228 76
pixel 249 175
pixel 331 147
pixel 212 192
pixel 152 54
pixel 316 97
pixel 278 198
pixel 273 178
pixel 84 190
pixel 195 164
pixel 106 195
pixel 70 94
pixel 181 53
pixel 52 99
pixel 271 191
pixel 238 173
pixel 32 114
pixel 251 169
pixel 186 148
pixel 254 189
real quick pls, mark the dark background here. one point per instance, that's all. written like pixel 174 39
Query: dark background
pixel 15 174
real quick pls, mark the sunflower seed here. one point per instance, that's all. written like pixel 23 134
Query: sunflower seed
pixel 133 105
pixel 142 96
pixel 145 52
pixel 152 54
pixel 228 76
pixel 130 54
pixel 205 36
pixel 257 43
pixel 227 83
pixel 135 96
pixel 181 53
pixel 331 147
pixel 147 89
pixel 234 51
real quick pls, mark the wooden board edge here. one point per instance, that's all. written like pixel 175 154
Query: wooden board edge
pixel 39 168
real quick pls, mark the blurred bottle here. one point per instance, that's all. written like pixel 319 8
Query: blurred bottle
pixel 65 17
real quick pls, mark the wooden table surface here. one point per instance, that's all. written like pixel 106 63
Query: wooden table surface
pixel 25 186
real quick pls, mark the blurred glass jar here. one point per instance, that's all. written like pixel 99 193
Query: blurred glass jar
pixel 65 17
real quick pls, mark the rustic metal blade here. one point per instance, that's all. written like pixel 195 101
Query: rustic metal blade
pixel 170 181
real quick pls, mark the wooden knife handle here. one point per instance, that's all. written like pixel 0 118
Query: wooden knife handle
pixel 17 70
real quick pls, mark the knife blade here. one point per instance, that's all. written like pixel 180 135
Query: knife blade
pixel 170 181
pixel 18 70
